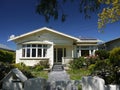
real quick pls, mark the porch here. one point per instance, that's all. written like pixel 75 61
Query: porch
pixel 62 54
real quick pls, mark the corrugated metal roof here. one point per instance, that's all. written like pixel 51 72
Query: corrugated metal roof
pixel 87 38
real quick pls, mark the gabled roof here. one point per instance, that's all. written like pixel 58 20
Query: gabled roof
pixel 113 40
pixel 42 29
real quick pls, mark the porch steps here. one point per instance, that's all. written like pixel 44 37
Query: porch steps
pixel 57 67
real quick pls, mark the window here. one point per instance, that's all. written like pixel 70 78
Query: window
pixel 28 52
pixel 84 53
pixel 34 50
pixel 39 52
pixel 23 52
pixel 33 45
pixel 64 52
pixel 44 52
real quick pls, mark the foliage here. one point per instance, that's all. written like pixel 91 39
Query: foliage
pixel 38 68
pixel 4 69
pixel 91 67
pixel 77 74
pixel 91 60
pixel 102 68
pixel 109 69
pixel 41 65
pixel 43 74
pixel 44 63
pixel 24 69
pixel 54 8
pixel 115 57
pixel 110 14
pixel 102 54
pixel 49 8
pixel 77 63
pixel 7 56
pixel 105 65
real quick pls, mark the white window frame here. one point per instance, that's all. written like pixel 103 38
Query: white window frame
pixel 43 46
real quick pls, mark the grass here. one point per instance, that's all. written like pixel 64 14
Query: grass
pixel 78 74
pixel 74 74
pixel 42 74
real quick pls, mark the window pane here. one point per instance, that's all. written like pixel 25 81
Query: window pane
pixel 44 52
pixel 23 45
pixel 85 47
pixel 55 55
pixel 33 52
pixel 64 52
pixel 77 51
pixel 33 45
pixel 39 45
pixel 39 53
pixel 28 45
pixel 28 52
pixel 85 53
pixel 23 52
pixel 44 45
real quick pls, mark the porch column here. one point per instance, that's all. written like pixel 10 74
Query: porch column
pixel 90 53
pixel 79 53
pixel 73 51
pixel 94 52
pixel 51 55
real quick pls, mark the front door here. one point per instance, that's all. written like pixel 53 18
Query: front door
pixel 58 54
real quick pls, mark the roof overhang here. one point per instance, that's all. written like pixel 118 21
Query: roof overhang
pixel 42 29
pixel 37 42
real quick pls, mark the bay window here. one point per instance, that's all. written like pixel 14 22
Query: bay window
pixel 34 50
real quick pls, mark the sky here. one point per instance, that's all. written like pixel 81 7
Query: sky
pixel 19 16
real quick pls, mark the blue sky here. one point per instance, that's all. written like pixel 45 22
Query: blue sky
pixel 18 17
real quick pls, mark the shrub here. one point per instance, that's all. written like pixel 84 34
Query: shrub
pixel 21 66
pixel 28 74
pixel 7 56
pixel 4 69
pixel 102 54
pixel 41 65
pixel 91 60
pixel 77 63
pixel 38 68
pixel 105 70
pixel 91 67
pixel 115 57
pixel 25 69
pixel 44 63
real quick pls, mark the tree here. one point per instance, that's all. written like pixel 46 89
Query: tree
pixel 109 14
pixel 110 10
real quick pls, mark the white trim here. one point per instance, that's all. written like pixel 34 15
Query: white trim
pixel 42 29
pixel 33 58
pixel 37 42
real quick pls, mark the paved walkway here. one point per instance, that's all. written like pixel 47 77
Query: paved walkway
pixel 58 74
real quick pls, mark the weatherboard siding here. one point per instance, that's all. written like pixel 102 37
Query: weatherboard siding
pixel 56 41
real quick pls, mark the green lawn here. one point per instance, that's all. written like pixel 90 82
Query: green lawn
pixel 78 74
pixel 74 74
pixel 43 74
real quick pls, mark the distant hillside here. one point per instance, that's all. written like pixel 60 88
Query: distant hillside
pixel 4 47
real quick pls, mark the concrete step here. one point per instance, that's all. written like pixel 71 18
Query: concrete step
pixel 57 67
